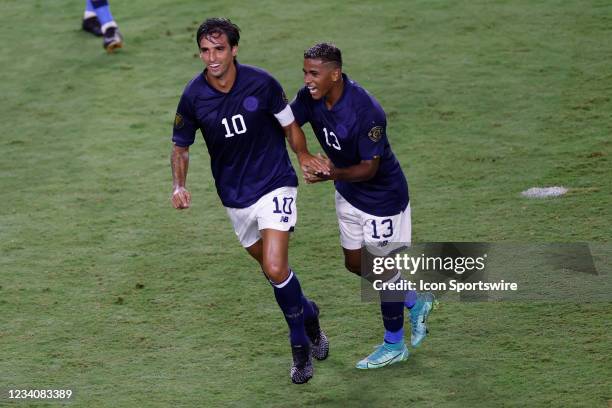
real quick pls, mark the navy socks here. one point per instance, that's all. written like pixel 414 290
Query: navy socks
pixel 294 306
pixel 393 320
pixel 392 312
pixel 309 310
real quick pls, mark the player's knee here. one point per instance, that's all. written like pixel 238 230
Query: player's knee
pixel 276 271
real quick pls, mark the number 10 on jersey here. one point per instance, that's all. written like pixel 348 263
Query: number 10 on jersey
pixel 238 125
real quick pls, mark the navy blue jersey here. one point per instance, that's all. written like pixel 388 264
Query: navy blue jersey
pixel 354 129
pixel 246 143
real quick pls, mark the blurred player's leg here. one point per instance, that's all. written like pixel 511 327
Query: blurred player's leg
pixel 90 21
pixel 102 10
pixel 112 37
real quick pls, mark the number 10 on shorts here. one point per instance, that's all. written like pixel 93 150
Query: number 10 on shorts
pixel 285 208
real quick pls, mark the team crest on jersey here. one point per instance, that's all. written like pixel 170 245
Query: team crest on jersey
pixel 250 103
pixel 375 133
pixel 178 121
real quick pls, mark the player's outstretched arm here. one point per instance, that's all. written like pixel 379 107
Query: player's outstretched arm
pixel 179 161
pixel 308 162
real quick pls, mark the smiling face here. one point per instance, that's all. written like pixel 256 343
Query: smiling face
pixel 217 54
pixel 321 78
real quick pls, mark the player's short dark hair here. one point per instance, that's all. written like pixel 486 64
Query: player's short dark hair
pixel 325 52
pixel 216 26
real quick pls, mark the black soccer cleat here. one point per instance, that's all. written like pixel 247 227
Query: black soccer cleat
pixel 112 39
pixel 301 370
pixel 319 344
pixel 92 26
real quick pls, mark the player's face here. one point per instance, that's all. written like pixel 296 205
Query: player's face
pixel 217 54
pixel 320 77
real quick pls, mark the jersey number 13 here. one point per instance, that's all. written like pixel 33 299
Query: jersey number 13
pixel 331 139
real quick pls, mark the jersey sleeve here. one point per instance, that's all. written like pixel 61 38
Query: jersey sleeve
pixel 299 106
pixel 185 123
pixel 277 103
pixel 372 134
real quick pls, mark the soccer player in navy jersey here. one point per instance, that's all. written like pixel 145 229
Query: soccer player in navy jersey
pixel 372 202
pixel 244 117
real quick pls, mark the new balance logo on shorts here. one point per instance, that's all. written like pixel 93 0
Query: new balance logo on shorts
pixel 284 219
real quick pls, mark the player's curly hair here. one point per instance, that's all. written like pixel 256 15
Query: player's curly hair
pixel 326 52
pixel 216 26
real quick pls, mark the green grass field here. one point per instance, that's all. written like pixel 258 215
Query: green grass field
pixel 109 291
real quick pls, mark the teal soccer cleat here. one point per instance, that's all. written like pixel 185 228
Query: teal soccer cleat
pixel 418 317
pixel 384 355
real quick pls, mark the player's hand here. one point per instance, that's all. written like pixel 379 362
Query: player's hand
pixel 312 176
pixel 314 164
pixel 181 198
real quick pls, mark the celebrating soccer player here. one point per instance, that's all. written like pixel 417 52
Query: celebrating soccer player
pixel 372 201
pixel 244 117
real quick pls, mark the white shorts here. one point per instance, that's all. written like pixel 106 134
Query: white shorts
pixel 276 210
pixel 383 235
